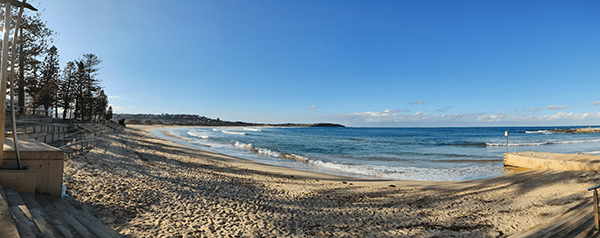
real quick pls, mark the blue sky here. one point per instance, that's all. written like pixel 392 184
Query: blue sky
pixel 359 63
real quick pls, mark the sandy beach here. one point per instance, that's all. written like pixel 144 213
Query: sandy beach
pixel 144 186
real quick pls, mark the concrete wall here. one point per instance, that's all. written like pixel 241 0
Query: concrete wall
pixel 23 180
pixel 552 161
pixel 45 160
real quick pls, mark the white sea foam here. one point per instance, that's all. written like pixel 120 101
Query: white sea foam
pixel 517 144
pixel 547 132
pixel 295 157
pixel 408 173
pixel 233 132
pixel 576 141
pixel 252 129
pixel 198 135
pixel 267 152
pixel 270 153
pixel 242 145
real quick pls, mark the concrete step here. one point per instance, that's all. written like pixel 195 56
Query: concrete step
pixel 8 226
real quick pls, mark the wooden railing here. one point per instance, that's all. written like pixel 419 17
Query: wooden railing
pixel 595 188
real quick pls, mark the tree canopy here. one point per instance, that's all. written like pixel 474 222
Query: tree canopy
pixel 43 86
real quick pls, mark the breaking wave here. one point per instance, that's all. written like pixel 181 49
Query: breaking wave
pixel 270 153
pixel 234 133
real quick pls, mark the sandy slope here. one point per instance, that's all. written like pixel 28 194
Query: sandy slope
pixel 149 187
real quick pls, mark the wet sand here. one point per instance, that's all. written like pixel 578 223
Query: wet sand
pixel 144 186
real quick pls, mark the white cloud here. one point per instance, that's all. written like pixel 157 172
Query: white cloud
pixel 443 110
pixel 393 118
pixel 312 107
pixel 551 107
pixel 405 110
pixel 418 102
pixel 116 108
pixel 113 96
pixel 594 103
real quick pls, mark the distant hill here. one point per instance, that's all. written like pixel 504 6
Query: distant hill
pixel 196 120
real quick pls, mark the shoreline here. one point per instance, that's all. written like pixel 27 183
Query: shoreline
pixel 348 175
pixel 303 174
pixel 145 186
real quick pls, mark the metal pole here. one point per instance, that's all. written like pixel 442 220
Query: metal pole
pixel 3 74
pixel 12 89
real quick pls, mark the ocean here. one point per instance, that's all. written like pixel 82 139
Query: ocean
pixel 434 154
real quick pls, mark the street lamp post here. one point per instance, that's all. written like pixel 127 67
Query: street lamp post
pixel 4 66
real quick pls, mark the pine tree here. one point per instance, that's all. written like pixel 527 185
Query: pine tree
pixel 67 93
pixel 34 40
pixel 86 86
pixel 48 83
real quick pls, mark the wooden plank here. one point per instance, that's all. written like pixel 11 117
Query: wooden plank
pixel 8 228
pixel 24 225
pixel 99 231
pixel 41 223
pixel 95 229
pixel 59 223
pixel 101 225
pixel 80 228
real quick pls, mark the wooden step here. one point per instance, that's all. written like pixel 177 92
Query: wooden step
pixel 84 223
pixel 56 225
pixel 75 229
pixel 89 221
pixel 8 228
pixel 32 210
pixel 25 225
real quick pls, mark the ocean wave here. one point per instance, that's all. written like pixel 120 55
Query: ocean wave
pixel 270 153
pixel 194 134
pixel 517 144
pixel 547 132
pixel 243 145
pixel 267 152
pixel 543 143
pixel 576 141
pixel 467 143
pixel 200 144
pixel 234 132
pixel 252 129
pixel 409 173
pixel 295 157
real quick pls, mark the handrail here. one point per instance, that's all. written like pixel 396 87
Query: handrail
pixel 596 215
pixel 595 187
pixel 80 142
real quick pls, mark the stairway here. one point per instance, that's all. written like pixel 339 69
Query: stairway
pixel 45 216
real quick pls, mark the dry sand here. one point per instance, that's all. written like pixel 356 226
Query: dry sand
pixel 144 186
